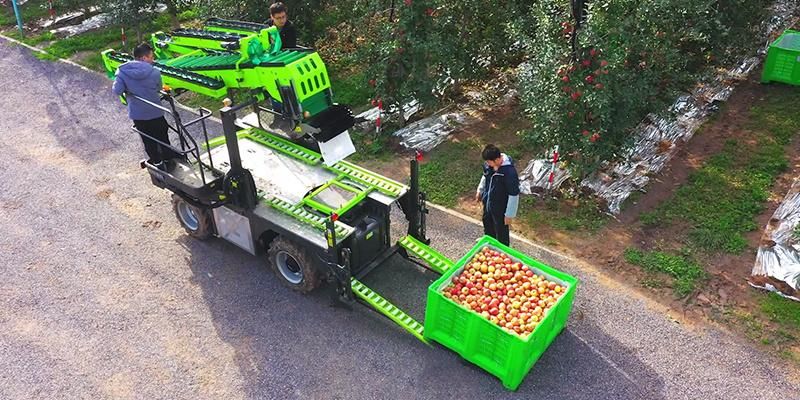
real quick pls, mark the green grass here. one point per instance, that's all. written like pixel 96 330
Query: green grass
pixel 752 327
pixel 585 217
pixel 722 199
pixel 45 56
pixel 450 173
pixel 686 273
pixel 31 11
pixel 89 41
pixel 783 311
pixel 32 40
pixel 197 100
pixel 653 282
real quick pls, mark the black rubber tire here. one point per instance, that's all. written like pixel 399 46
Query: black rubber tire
pixel 204 228
pixel 306 277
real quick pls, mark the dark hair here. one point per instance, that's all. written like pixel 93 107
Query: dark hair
pixel 277 8
pixel 490 152
pixel 142 50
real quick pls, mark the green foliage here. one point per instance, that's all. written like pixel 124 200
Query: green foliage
pixel 651 50
pixel 686 273
pixel 724 196
pixel 134 15
pixel 781 310
pixel 371 147
pixel 188 15
pixel 401 61
pixel 350 88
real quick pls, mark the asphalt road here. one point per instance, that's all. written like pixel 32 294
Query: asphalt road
pixel 103 295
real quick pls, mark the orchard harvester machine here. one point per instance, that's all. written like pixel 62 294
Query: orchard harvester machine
pixel 291 86
pixel 316 218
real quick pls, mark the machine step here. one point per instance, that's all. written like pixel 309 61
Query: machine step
pixel 388 309
pixel 435 260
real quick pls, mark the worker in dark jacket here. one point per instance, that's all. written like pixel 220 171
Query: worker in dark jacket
pixel 499 193
pixel 140 78
pixel 280 19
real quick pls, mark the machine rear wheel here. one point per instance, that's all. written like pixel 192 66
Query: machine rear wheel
pixel 294 266
pixel 197 221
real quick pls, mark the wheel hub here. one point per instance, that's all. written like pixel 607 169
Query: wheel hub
pixel 289 267
pixel 188 217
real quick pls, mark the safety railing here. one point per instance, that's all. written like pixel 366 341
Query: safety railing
pixel 188 144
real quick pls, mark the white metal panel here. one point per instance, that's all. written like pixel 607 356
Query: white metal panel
pixel 234 228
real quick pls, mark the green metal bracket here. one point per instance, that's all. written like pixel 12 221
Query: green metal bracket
pixel 303 215
pixel 433 258
pixel 359 196
pixel 388 309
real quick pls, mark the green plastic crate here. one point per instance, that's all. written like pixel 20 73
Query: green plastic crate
pixel 783 59
pixel 503 354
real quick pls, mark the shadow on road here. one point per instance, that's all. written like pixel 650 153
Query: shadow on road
pixel 289 345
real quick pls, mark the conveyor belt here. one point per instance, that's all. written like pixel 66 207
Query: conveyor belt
pixel 208 35
pixel 237 25
pixel 173 72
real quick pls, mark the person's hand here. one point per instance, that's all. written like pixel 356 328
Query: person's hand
pixel 478 196
pixel 509 220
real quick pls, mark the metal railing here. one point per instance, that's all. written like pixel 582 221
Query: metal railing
pixel 188 144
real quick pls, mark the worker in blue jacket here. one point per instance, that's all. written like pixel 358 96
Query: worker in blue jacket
pixel 140 78
pixel 499 193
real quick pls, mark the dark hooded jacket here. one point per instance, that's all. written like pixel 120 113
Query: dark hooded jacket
pixel 141 79
pixel 499 190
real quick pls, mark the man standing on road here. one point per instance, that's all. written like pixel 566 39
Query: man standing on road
pixel 280 19
pixel 499 193
pixel 140 78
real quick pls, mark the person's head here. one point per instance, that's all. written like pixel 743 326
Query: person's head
pixel 144 52
pixel 279 14
pixel 491 154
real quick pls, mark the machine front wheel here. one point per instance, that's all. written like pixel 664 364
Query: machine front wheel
pixel 197 221
pixel 294 266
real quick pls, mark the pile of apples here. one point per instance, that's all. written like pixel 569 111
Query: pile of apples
pixel 503 291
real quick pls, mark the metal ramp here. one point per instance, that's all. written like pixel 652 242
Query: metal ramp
pixel 388 309
pixel 435 260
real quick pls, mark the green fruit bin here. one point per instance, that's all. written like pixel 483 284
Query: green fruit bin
pixel 504 354
pixel 783 59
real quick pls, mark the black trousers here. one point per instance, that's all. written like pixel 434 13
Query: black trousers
pixel 158 129
pixel 495 226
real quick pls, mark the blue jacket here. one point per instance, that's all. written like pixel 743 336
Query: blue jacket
pixel 499 190
pixel 142 79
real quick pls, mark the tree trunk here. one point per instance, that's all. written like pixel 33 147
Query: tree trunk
pixel 172 9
